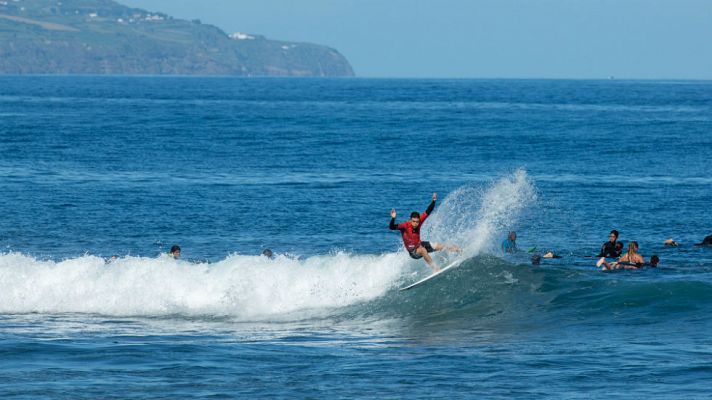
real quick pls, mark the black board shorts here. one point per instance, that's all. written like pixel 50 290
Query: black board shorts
pixel 417 256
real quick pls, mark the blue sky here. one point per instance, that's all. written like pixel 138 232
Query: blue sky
pixel 639 39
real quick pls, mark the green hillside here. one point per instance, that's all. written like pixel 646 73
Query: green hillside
pixel 104 37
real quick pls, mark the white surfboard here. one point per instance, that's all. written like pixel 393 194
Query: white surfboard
pixel 429 277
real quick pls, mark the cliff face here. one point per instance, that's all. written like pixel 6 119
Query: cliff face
pixel 104 37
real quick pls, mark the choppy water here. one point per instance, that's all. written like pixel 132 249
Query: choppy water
pixel 94 166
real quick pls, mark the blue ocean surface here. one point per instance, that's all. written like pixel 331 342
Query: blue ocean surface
pixel 95 167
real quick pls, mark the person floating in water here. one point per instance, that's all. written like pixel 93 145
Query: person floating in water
pixel 509 245
pixel 551 254
pixel 611 249
pixel 410 230
pixel 654 261
pixel 175 252
pixel 707 242
pixel 630 260
pixel 619 248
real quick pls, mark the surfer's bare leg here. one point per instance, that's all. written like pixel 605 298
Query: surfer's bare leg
pixel 453 248
pixel 606 265
pixel 449 247
pixel 601 261
pixel 424 253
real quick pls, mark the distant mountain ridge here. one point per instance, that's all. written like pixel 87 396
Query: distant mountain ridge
pixel 105 37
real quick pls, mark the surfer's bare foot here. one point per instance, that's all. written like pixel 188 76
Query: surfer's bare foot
pixel 455 249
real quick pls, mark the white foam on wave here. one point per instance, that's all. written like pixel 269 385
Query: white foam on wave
pixel 246 287
pixel 252 287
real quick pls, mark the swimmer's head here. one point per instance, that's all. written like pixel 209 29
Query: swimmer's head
pixel 633 246
pixel 536 259
pixel 613 236
pixel 512 236
pixel 267 253
pixel 654 261
pixel 175 251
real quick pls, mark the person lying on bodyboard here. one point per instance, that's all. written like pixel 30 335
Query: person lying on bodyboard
pixel 410 230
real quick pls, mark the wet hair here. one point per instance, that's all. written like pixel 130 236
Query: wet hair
pixel 267 253
pixel 175 248
pixel 614 232
pixel 654 260
pixel 415 214
pixel 536 259
pixel 619 245
pixel 633 247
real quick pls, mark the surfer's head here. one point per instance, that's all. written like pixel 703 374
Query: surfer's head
pixel 633 247
pixel 415 219
pixel 512 236
pixel 267 253
pixel 654 260
pixel 613 236
pixel 175 251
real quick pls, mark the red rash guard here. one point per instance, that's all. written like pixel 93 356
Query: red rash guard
pixel 411 237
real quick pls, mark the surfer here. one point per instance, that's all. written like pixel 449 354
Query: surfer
pixel 551 254
pixel 632 259
pixel 509 245
pixel 654 261
pixel 410 230
pixel 707 241
pixel 610 249
pixel 175 252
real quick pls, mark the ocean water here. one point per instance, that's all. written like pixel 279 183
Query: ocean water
pixel 92 167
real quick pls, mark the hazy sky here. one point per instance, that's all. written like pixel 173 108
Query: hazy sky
pixel 646 39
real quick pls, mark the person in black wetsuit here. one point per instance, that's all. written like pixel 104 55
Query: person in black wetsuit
pixel 609 249
pixel 707 241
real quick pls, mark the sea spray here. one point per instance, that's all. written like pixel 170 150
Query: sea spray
pixel 475 217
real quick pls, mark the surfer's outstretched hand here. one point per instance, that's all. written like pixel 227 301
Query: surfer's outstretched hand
pixel 393 212
pixel 435 196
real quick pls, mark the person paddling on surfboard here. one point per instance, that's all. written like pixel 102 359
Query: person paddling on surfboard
pixel 410 230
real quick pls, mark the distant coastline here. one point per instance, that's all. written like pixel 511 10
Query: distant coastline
pixel 102 37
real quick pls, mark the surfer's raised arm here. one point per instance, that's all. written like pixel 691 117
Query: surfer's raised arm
pixel 393 225
pixel 431 207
